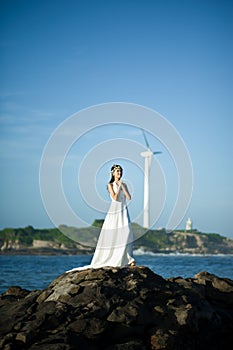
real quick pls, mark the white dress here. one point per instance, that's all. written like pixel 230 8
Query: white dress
pixel 114 246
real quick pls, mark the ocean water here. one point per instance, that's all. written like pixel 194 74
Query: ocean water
pixel 36 272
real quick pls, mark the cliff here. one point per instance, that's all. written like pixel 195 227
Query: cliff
pixel 127 308
pixel 33 241
pixel 29 240
pixel 193 242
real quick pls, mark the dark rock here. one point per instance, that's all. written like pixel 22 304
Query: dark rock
pixel 130 345
pixel 216 289
pixel 17 292
pixel 127 308
pixel 14 293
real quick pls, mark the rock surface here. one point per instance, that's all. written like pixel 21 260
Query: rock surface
pixel 127 308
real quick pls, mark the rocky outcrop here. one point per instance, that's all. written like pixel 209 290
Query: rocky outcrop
pixel 127 308
pixel 10 244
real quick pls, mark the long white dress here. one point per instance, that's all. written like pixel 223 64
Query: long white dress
pixel 114 246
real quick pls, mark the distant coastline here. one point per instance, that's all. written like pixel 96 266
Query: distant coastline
pixel 31 241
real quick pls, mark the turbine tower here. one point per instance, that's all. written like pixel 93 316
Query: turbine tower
pixel 147 155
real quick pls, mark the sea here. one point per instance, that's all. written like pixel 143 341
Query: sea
pixel 37 272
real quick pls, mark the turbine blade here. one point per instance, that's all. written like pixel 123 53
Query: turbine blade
pixel 146 141
pixel 157 152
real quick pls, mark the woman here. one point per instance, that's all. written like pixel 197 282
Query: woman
pixel 114 246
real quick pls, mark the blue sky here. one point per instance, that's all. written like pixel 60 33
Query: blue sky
pixel 171 56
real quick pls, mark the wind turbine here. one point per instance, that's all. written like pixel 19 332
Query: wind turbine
pixel 147 155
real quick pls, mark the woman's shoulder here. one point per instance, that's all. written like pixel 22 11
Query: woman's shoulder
pixel 110 185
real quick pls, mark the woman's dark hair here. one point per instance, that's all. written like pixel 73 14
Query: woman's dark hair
pixel 113 168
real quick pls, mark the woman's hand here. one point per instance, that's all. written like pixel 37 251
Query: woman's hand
pixel 121 187
pixel 119 183
pixel 125 190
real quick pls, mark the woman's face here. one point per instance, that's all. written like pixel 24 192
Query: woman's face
pixel 117 174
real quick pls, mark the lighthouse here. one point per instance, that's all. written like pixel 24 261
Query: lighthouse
pixel 189 225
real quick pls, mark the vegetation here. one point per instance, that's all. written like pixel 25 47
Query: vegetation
pixel 98 223
pixel 25 236
pixel 155 239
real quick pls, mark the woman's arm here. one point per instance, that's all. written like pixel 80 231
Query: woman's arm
pixel 112 193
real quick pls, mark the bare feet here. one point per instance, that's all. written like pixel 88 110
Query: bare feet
pixel 133 263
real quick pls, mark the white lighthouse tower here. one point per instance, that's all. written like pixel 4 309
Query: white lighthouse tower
pixel 189 225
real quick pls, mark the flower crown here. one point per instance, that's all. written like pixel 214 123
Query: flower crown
pixel 115 167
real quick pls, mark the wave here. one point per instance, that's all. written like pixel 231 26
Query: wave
pixel 142 251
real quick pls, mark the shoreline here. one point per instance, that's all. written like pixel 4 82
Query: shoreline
pixel 31 241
